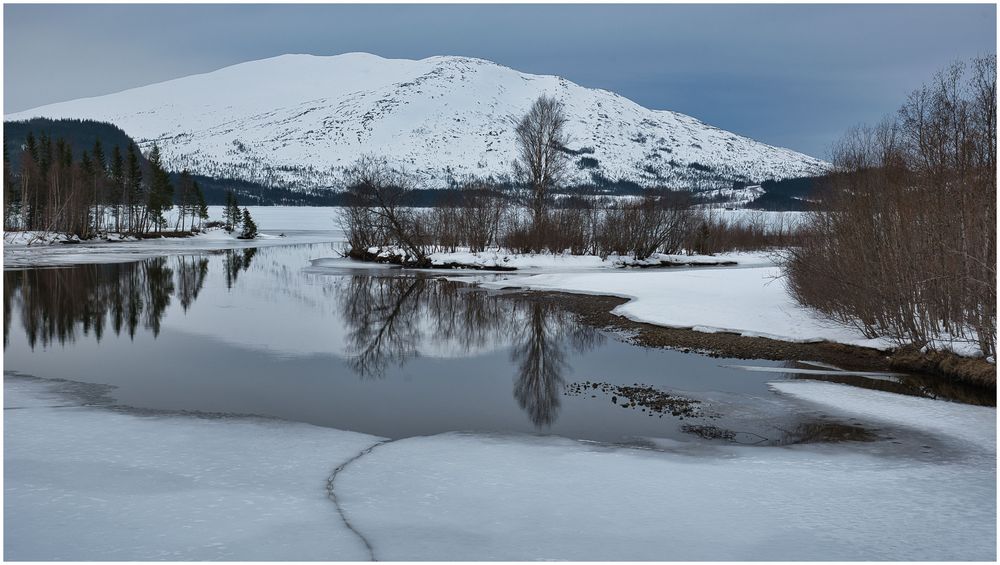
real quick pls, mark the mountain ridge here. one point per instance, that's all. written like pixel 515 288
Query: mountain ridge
pixel 298 120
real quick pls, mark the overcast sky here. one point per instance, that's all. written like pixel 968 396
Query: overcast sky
pixel 790 75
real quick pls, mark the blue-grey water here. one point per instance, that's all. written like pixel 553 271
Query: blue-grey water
pixel 381 351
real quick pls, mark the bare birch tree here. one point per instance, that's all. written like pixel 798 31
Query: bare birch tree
pixel 541 162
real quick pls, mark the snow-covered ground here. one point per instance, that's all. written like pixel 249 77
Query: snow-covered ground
pixel 750 301
pixel 564 262
pixel 87 483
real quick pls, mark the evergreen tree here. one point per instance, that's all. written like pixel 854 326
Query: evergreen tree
pixel 31 180
pixel 118 185
pixel 227 211
pixel 132 193
pixel 86 165
pixel 99 180
pixel 231 213
pixel 31 146
pixel 185 198
pixel 201 203
pixel 11 193
pixel 98 155
pixel 87 176
pixel 249 227
pixel 160 197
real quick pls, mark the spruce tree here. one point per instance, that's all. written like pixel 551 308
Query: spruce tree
pixel 97 191
pixel 201 203
pixel 98 156
pixel 132 194
pixel 231 213
pixel 227 211
pixel 161 192
pixel 11 193
pixel 249 227
pixel 185 198
pixel 118 185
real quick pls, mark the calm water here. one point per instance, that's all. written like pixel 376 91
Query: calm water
pixel 383 351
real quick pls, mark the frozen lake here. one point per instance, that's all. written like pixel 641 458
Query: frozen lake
pixel 349 356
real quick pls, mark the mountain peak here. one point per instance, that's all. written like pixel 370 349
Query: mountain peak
pixel 298 120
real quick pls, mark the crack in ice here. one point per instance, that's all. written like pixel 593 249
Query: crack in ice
pixel 333 495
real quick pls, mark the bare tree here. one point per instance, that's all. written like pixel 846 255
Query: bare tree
pixel 378 215
pixel 907 246
pixel 541 163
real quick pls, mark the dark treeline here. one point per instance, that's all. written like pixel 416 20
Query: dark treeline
pixel 79 135
pixel 795 194
pixel 95 191
pixel 82 135
pixel 908 246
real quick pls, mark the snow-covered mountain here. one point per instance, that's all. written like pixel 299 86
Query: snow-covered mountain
pixel 299 120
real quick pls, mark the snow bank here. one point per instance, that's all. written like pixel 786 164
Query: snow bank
pixel 90 484
pixel 37 238
pixel 564 262
pixel 748 301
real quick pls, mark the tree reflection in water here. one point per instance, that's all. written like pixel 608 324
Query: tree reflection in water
pixel 236 262
pixel 56 304
pixel 389 319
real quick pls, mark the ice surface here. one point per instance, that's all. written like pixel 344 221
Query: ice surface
pixel 91 484
pixel 463 497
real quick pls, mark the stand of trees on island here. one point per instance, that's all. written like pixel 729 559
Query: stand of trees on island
pixel 93 193
pixel 96 192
